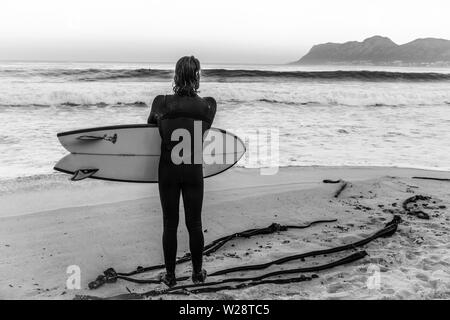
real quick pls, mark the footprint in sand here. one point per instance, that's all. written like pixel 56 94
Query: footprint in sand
pixel 412 255
pixel 422 277
pixel 334 288
pixel 389 291
pixel 433 262
pixel 435 258
pixel 403 294
pixel 437 281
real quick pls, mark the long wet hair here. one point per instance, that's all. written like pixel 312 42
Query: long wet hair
pixel 187 76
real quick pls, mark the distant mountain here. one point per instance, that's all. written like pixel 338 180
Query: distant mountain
pixel 380 50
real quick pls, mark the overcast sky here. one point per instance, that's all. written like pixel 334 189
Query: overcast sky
pixel 229 31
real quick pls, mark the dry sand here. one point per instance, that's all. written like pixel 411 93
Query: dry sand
pixel 48 223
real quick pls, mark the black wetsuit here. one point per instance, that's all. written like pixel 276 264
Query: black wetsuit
pixel 171 113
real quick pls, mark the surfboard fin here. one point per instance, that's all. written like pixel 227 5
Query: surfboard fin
pixel 82 174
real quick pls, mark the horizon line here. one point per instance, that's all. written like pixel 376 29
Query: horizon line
pixel 139 62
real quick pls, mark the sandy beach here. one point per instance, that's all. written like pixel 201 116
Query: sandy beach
pixel 49 223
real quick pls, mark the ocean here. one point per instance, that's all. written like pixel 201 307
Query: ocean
pixel 325 115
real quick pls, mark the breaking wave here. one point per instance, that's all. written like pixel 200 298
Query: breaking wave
pixel 222 75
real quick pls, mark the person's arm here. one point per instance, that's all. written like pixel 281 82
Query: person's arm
pixel 156 111
pixel 212 108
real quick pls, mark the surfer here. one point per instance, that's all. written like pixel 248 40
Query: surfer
pixel 180 111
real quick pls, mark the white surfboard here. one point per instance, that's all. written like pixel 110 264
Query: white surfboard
pixel 130 153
